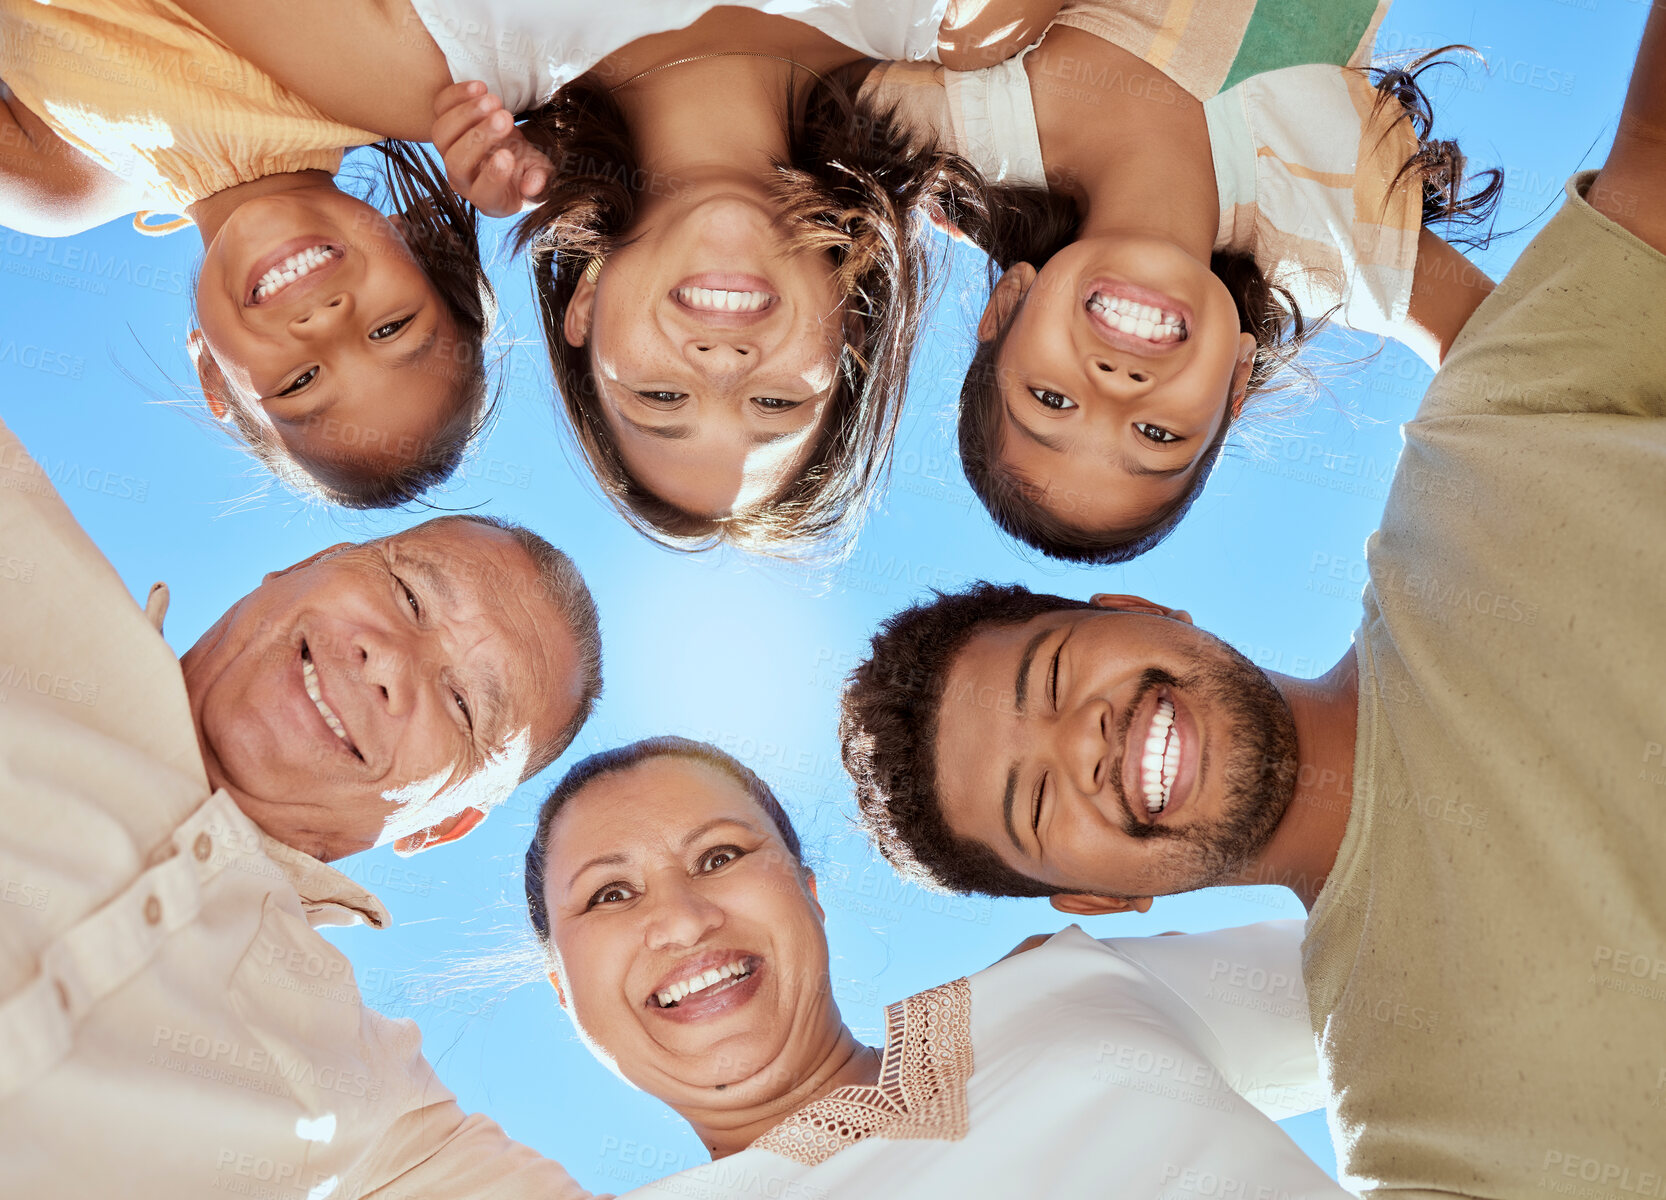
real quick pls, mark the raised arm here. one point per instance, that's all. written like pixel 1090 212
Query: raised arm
pixel 369 64
pixel 1446 290
pixel 435 1151
pixel 981 33
pixel 48 188
pixel 1631 188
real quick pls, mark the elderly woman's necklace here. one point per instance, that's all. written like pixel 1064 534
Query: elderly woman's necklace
pixel 717 54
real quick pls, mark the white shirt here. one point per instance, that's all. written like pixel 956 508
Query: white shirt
pixel 170 1024
pixel 1138 1067
pixel 525 49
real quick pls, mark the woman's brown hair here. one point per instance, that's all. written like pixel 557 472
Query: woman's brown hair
pixel 1030 224
pixel 852 186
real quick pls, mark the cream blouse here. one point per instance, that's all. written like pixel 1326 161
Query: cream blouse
pixel 1137 1067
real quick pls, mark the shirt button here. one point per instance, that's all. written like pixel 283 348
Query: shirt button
pixel 202 847
pixel 153 910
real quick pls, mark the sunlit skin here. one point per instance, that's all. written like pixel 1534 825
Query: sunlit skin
pixel 433 648
pixel 1134 154
pixel 666 866
pixel 714 412
pixel 1090 680
pixel 1108 433
pixel 355 366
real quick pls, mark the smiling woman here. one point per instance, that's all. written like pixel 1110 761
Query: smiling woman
pixel 686 941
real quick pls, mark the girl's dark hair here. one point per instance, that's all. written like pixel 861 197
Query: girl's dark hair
pixel 1030 224
pixel 442 231
pixel 623 758
pixel 852 186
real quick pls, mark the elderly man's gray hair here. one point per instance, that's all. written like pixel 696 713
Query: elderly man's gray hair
pixel 565 588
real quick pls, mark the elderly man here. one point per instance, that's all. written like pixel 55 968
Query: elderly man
pixel 1469 802
pixel 170 1023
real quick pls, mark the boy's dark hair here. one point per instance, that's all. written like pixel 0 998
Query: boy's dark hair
pixel 623 758
pixel 1029 224
pixel 442 231
pixel 853 186
pixel 888 721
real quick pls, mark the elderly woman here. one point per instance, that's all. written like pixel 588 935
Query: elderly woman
pixel 686 941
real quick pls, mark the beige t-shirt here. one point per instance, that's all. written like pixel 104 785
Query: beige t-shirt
pixel 1486 966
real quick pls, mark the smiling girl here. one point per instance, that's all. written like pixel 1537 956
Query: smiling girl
pixel 733 259
pixel 1167 250
pixel 730 253
pixel 340 345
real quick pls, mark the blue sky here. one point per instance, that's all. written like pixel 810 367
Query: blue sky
pixel 93 377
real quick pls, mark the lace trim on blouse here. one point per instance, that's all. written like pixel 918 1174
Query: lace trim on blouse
pixel 921 1091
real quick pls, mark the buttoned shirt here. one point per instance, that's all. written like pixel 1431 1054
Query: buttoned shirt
pixel 171 1024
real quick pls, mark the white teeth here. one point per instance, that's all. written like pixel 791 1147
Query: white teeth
pixel 309 676
pixel 290 269
pixel 1160 761
pixel 1139 320
pixel 677 992
pixel 723 300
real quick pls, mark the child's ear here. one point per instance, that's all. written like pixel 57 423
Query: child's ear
pixel 216 392
pixel 575 326
pixel 1241 372
pixel 940 222
pixel 1003 301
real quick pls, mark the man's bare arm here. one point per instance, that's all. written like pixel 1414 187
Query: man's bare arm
pixel 1631 187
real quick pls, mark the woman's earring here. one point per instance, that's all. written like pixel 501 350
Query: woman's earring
pixel 593 270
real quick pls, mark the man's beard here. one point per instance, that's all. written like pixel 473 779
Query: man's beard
pixel 1257 773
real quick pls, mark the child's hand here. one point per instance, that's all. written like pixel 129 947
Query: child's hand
pixel 487 160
